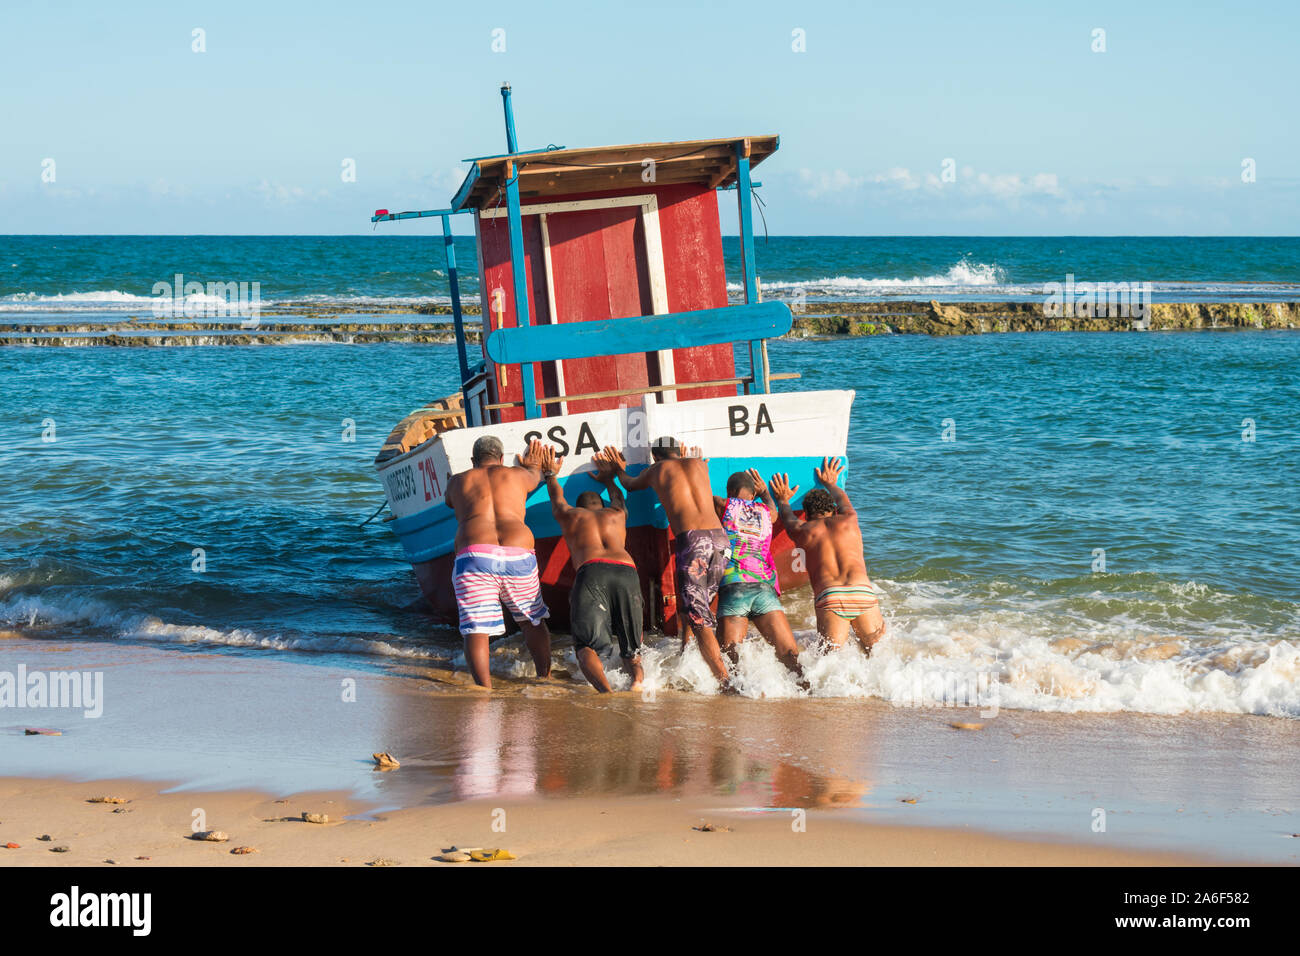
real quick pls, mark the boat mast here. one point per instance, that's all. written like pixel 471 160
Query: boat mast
pixel 512 143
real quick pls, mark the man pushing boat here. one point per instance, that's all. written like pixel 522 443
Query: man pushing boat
pixel 495 563
pixel 682 484
pixel 750 590
pixel 605 600
pixel 832 541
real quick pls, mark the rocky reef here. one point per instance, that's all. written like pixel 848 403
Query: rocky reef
pixel 971 318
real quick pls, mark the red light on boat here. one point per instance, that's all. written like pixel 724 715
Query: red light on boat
pixel 381 212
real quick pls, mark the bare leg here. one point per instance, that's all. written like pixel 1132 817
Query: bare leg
pixel 731 632
pixel 775 627
pixel 832 627
pixel 870 628
pixel 538 639
pixel 592 669
pixel 633 666
pixel 708 642
pixel 476 656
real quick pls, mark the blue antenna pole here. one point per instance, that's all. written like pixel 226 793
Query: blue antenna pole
pixel 512 144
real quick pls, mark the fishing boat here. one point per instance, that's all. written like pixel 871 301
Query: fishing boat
pixel 606 321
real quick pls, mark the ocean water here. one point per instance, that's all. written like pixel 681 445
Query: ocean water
pixel 1100 535
pixel 51 276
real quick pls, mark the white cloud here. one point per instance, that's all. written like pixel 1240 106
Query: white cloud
pixel 969 183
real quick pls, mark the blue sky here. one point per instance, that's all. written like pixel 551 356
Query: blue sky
pixel 1045 135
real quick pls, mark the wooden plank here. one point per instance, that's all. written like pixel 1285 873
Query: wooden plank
pixel 551 314
pixel 648 390
pixel 646 333
pixel 546 173
pixel 654 254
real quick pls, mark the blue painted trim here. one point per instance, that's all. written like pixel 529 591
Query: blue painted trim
pixel 520 152
pixel 420 214
pixel 449 249
pixel 462 195
pixel 520 277
pixel 432 532
pixel 646 333
pixel 744 202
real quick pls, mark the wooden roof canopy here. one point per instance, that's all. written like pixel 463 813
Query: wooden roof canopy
pixel 558 172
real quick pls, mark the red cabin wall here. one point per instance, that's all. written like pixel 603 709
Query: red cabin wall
pixel 596 278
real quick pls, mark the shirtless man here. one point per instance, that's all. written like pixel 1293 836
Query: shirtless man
pixel 832 541
pixel 605 600
pixel 682 484
pixel 495 563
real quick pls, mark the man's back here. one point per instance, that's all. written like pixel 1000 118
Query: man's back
pixel 489 501
pixel 833 546
pixel 595 535
pixel 682 485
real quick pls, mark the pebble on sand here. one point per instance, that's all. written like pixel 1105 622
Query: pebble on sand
pixel 58 849
pixel 711 828
pixel 107 800
pixel 383 861
pixel 242 850
pixel 211 836
pixel 315 817
pixel 386 761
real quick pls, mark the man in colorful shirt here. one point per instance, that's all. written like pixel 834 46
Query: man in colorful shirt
pixel 750 591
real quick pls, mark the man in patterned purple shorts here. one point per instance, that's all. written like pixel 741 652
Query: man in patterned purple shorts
pixel 682 484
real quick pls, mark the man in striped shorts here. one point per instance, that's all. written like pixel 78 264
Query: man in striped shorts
pixel 495 563
pixel 832 541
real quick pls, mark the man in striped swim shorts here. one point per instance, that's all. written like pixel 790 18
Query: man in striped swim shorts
pixel 495 564
pixel 832 541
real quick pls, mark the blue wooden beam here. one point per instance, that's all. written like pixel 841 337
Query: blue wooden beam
pixel 419 214
pixel 517 269
pixel 745 202
pixel 453 281
pixel 462 195
pixel 647 333
pixel 521 152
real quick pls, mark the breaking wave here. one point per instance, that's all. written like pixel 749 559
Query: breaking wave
pixel 1066 652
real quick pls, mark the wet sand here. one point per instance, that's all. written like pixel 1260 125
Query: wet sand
pixel 236 731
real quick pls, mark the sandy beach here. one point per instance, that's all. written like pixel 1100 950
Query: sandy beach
pixel 153 828
pixel 582 779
